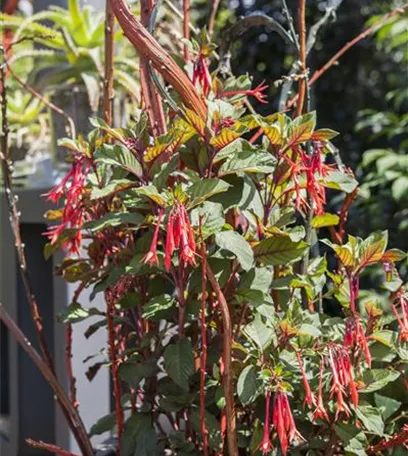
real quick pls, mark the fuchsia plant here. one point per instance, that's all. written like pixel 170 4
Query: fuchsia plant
pixel 234 326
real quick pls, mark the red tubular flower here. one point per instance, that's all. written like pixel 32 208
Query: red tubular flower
pixel 201 74
pixel 402 300
pixel 355 337
pixel 72 187
pixel 282 420
pixel 179 235
pixel 320 411
pixel 266 444
pixel 309 397
pixel 151 256
pixel 258 92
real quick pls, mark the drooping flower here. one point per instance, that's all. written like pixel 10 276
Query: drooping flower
pixel 266 444
pixel 354 337
pixel 72 187
pixel 258 92
pixel 201 74
pixel 343 379
pixel 402 300
pixel 320 411
pixel 151 256
pixel 309 397
pixel 282 420
pixel 180 236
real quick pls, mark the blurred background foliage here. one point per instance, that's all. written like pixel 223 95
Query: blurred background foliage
pixel 365 97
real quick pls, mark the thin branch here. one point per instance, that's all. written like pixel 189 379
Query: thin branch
pixel 49 447
pixel 174 10
pixel 334 60
pixel 186 28
pixel 398 439
pixel 203 354
pixel 302 56
pixel 215 4
pixel 73 418
pixel 227 375
pixel 108 93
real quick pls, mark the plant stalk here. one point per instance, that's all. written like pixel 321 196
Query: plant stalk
pixel 108 94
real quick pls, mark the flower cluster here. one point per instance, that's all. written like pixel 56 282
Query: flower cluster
pixel 201 74
pixel 72 187
pixel 258 93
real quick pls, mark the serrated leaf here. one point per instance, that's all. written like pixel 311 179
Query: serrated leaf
pixel 235 243
pixel 204 189
pixel 249 387
pixel 278 250
pixel 320 221
pixel 120 156
pixel 179 362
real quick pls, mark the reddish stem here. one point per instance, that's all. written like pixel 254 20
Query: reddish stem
pixel 186 28
pixel 108 76
pixel 214 9
pixel 400 438
pixel 110 313
pixel 368 31
pixel 68 361
pixel 49 447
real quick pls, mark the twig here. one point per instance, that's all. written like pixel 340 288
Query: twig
pixel 110 312
pixel 151 97
pixel 289 20
pixel 400 438
pixel 73 418
pixel 186 28
pixel 174 10
pixel 213 14
pixel 108 94
pixel 302 56
pixel 227 376
pixel 147 46
pixel 49 447
pixel 203 354
pixel 367 32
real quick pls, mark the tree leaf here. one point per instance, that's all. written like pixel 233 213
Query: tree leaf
pixel 259 333
pixel 158 308
pixel 248 162
pixel 320 221
pixel 119 155
pixel 279 250
pixel 179 362
pixel 132 372
pixel 371 419
pixel 301 129
pixel 204 189
pixel 235 243
pixel 340 181
pixel 353 439
pixel 375 379
pixel 249 386
pixel 139 436
pixel 104 424
pixel 114 219
pixel 387 405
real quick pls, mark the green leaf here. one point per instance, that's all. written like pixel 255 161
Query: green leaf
pixel 353 439
pixel 301 129
pixel 114 132
pixel 399 188
pixel 204 189
pixel 158 308
pixel 279 250
pixel 110 188
pixel 75 313
pixel 371 419
pixel 324 134
pixel 320 221
pixel 249 387
pixel 139 437
pixel 376 379
pixel 235 243
pixel 104 424
pixel 387 405
pixel 260 334
pixel 212 215
pixel 256 279
pixel 114 219
pixel 341 181
pixel 132 372
pixel 118 155
pixel 151 192
pixel 248 162
pixel 179 362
